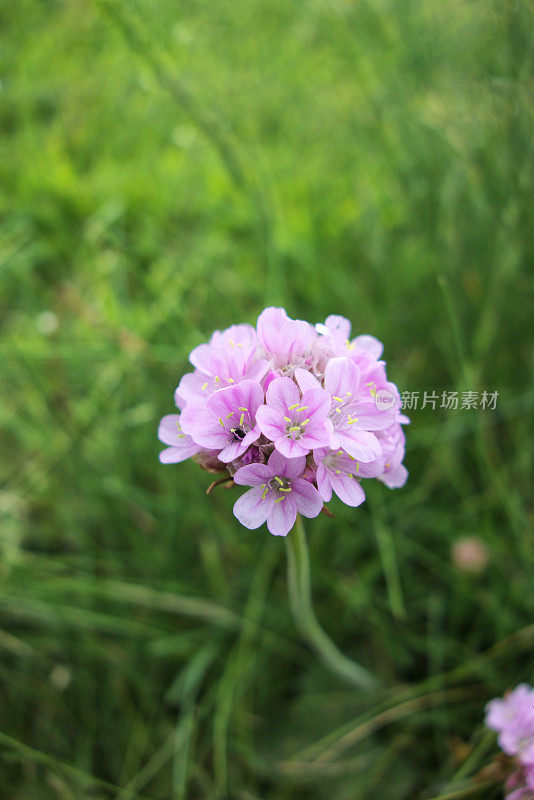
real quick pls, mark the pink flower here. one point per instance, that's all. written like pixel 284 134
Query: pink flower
pixel 263 399
pixel 278 494
pixel 353 415
pixel 340 473
pixel 295 424
pixel 512 716
pixel 228 420
pixel 286 342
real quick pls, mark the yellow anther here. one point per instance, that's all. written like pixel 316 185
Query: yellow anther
pixel 295 405
pixel 350 475
pixel 231 380
pixel 285 490
pixel 357 466
pixel 340 452
pixel 339 399
pixel 280 481
pixel 232 344
pixel 349 394
pixel 294 429
pixel 338 472
pixel 231 414
pixel 338 410
pixel 305 422
pixel 217 379
pixel 242 408
pixel 287 419
pixel 204 386
pixel 303 408
pixel 221 421
pixel 387 465
pixel 241 420
pixel 280 499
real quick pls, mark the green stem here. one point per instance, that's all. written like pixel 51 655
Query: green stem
pixel 300 598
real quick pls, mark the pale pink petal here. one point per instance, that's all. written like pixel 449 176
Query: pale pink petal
pixel 173 455
pixel 270 323
pixel 271 422
pixel 361 445
pixel 369 344
pixel 281 517
pixel 169 430
pixel 253 475
pixel 316 403
pixel 190 389
pixel 396 478
pixel 286 467
pixel 370 418
pixel 341 378
pixel 282 393
pixel 252 509
pixel 306 498
pixel 258 370
pixel 347 489
pixel 323 483
pixel 232 451
pixel 291 448
pixel 338 326
pixel 296 336
pixel 201 358
pixel 306 380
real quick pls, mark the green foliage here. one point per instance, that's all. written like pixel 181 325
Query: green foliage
pixel 170 168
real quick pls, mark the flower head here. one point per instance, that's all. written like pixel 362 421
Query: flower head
pixel 293 411
pixel 512 716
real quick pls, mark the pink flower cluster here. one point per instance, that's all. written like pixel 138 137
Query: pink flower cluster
pixel 294 412
pixel 512 716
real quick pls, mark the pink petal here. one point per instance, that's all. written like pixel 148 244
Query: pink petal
pixel 341 377
pixel 201 357
pixel 396 478
pixel 281 517
pixel 286 467
pixel 232 451
pixel 318 404
pixel 270 322
pixel 271 422
pixel 361 445
pixel 306 498
pixel 251 509
pixel 306 380
pixel 338 326
pixel 372 419
pixel 253 475
pixel 169 430
pixel 291 448
pixel 347 489
pixel 323 483
pixel 173 455
pixel 281 394
pixel 369 344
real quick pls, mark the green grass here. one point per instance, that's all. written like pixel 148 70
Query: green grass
pixel 170 168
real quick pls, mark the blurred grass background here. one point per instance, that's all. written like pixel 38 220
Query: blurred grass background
pixel 170 168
